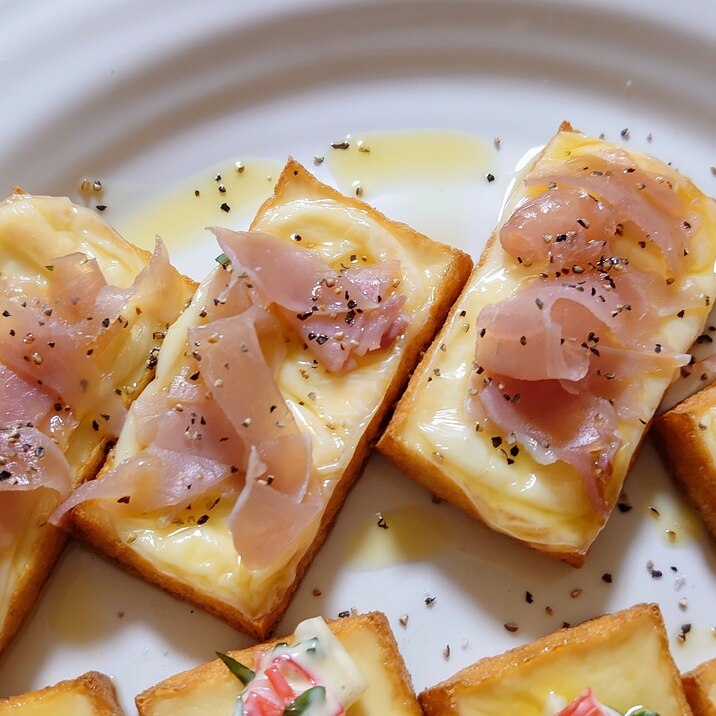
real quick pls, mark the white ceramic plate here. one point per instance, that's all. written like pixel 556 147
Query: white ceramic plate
pixel 144 95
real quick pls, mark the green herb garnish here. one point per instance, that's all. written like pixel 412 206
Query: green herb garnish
pixel 241 672
pixel 223 259
pixel 301 704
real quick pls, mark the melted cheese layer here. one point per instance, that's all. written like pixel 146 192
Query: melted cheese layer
pixel 545 505
pixel 334 410
pixel 628 668
pixel 52 704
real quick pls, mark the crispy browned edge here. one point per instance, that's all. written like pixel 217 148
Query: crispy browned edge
pixel 375 621
pixel 429 473
pixel 696 684
pixel 685 452
pixel 91 525
pixel 51 540
pixel 441 698
pixel 94 684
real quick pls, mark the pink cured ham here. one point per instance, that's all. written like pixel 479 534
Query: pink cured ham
pixel 340 315
pixel 560 229
pixel 558 331
pixel 632 196
pixel 49 380
pixel 29 461
pixel 553 424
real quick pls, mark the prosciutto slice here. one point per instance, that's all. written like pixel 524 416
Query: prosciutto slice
pixel 560 229
pixel 340 315
pixel 29 461
pixel 631 195
pixel 49 378
pixel 554 424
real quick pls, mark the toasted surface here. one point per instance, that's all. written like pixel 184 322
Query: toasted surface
pixel 368 639
pixel 341 413
pixel 34 231
pixel 623 657
pixel 433 439
pixel 700 687
pixel 91 694
pixel 686 440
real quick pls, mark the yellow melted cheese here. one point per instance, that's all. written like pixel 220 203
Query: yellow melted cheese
pixel 34 231
pixel 544 505
pixel 335 414
pixel 50 703
pixel 628 668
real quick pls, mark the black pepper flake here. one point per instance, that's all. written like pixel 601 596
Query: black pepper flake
pixel 429 601
pixel 623 506
pixel 523 340
pixel 680 314
pixel 496 441
pixel 340 145
pixel 540 303
pixel 101 207
pixel 625 133
pixel 529 598
pixel 6 313
pixel 105 322
pixel 197 192
pixel 225 207
pixel 490 178
pixel 607 577
pixel 195 376
pixel 5 475
pixel 381 521
pixel 657 348
pixel 124 500
pixel 656 574
pixel 511 627
pixel 344 614
pixel 95 425
pixel 202 519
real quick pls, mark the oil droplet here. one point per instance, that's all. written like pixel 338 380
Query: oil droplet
pixel 411 534
pixel 677 523
pixel 431 180
pixel 397 158
pixel 180 214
